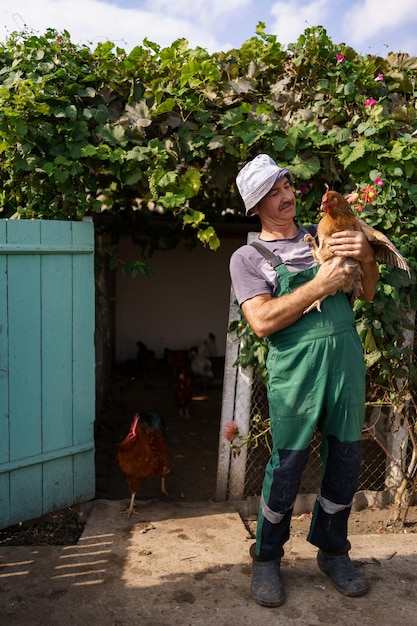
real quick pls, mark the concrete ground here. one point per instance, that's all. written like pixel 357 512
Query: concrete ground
pixel 187 563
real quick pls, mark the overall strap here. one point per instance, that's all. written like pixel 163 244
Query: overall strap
pixel 269 256
pixel 273 259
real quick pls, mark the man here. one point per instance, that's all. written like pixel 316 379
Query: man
pixel 316 375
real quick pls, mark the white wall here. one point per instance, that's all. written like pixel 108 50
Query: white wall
pixel 185 299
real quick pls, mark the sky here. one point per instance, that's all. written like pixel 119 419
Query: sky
pixel 369 26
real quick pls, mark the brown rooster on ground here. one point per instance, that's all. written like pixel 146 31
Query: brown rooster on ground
pixel 338 215
pixel 183 394
pixel 143 454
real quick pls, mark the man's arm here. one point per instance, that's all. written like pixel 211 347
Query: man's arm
pixel 266 314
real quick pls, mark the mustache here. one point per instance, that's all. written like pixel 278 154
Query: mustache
pixel 285 205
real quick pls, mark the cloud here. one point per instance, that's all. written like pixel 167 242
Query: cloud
pixel 369 20
pixel 370 17
pixel 102 21
pixel 369 26
pixel 198 10
pixel 291 19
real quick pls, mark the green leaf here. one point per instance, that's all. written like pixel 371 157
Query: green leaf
pixel 71 112
pixel 347 155
pixel 232 117
pixel 101 114
pixel 349 89
pixel 138 153
pixel 369 342
pixel 132 175
pixel 166 106
pixel 280 144
pixel 172 201
pixel 88 92
pixel 305 168
pixel 21 128
pixel 372 358
pixel 194 218
pixel 114 135
pixel 341 135
pixel 324 85
pixel 216 142
pixel 397 150
pixel 209 237
pixel 190 182
pixel 167 179
pixel 138 115
pixel 252 134
pixel 89 151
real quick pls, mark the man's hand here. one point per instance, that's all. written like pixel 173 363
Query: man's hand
pixel 354 244
pixel 351 243
pixel 332 275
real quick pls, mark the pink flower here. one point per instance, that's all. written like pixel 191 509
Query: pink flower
pixel 379 182
pixel 231 431
pixel 370 102
pixel 352 197
pixel 303 189
pixel 340 58
pixel 380 77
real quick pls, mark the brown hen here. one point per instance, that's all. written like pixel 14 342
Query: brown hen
pixel 183 394
pixel 143 454
pixel 338 215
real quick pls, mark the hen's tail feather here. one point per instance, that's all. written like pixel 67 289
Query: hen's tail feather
pixel 384 249
pixel 152 421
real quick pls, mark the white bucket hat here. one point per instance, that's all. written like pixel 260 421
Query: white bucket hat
pixel 258 177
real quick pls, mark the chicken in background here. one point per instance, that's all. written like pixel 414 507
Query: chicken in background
pixel 201 366
pixel 338 215
pixel 209 347
pixel 176 361
pixel 183 395
pixel 143 454
pixel 145 359
pixel 185 360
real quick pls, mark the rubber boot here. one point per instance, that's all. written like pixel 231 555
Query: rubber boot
pixel 343 574
pixel 266 585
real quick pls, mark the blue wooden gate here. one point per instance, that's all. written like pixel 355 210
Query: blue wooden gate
pixel 47 367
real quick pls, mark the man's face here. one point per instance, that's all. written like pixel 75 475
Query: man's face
pixel 279 202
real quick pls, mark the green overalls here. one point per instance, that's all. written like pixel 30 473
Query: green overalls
pixel 316 379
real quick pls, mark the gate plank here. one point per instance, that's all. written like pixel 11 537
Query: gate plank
pixel 4 387
pixel 58 484
pixel 84 361
pixel 26 493
pixel 83 320
pixel 24 311
pixel 56 331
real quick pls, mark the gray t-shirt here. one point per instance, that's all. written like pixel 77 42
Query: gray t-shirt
pixel 251 273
